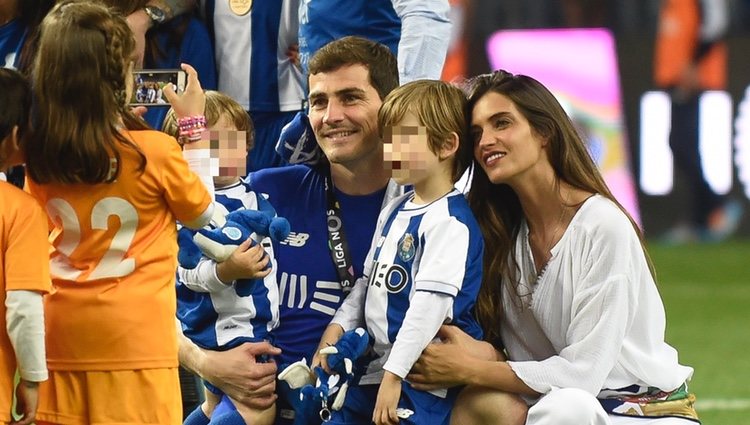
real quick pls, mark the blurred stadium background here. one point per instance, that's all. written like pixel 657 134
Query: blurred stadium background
pixel 705 287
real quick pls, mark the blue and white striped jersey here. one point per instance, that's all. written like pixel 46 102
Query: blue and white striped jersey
pixel 247 310
pixel 251 53
pixel 436 248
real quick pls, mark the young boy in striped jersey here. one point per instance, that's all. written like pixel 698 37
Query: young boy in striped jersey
pixel 223 305
pixel 424 267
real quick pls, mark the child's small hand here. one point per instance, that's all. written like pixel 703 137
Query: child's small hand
pixel 193 101
pixel 27 394
pixel 246 262
pixel 387 402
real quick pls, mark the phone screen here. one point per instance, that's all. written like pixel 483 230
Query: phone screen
pixel 148 86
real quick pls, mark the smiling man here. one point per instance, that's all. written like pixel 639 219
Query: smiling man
pixel 332 209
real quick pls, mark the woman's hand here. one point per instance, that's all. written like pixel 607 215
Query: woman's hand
pixel 387 401
pixel 190 103
pixel 449 363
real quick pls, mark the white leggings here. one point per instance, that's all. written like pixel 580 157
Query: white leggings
pixel 571 406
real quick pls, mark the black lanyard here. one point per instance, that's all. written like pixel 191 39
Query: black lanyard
pixel 337 242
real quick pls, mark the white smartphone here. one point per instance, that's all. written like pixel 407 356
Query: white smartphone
pixel 148 86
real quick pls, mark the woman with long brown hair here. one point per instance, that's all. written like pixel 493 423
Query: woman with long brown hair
pixel 568 289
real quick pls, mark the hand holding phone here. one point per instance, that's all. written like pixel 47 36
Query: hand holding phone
pixel 149 86
pixel 192 101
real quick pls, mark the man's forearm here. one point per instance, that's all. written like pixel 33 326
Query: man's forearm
pixel 190 355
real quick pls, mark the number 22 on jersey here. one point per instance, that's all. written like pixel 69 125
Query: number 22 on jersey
pixel 112 264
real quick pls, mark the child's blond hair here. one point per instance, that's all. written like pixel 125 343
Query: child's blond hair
pixel 439 106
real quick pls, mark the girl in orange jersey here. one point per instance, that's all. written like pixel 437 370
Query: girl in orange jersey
pixel 24 267
pixel 113 191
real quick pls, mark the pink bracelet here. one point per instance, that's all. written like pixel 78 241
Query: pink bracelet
pixel 191 128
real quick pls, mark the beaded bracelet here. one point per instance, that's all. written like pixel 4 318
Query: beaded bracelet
pixel 191 128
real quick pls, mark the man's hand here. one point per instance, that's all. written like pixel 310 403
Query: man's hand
pixel 246 262
pixel 139 23
pixel 27 396
pixel 387 401
pixel 241 376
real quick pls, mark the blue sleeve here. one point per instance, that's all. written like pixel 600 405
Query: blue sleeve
pixel 196 50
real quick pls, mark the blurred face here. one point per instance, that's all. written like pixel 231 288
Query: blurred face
pixel 229 147
pixel 344 114
pixel 406 152
pixel 505 145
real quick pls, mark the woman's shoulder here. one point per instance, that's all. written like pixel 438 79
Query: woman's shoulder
pixel 599 214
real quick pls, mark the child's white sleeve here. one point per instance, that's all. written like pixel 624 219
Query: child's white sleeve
pixel 203 277
pixel 25 325
pixel 351 314
pixel 427 312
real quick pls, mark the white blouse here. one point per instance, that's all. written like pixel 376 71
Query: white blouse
pixel 594 319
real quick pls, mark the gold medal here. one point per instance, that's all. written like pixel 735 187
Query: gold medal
pixel 240 7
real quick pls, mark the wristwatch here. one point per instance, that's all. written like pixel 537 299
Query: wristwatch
pixel 157 15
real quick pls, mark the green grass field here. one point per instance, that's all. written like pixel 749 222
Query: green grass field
pixel 706 291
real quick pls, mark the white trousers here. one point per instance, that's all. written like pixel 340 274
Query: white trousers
pixel 571 406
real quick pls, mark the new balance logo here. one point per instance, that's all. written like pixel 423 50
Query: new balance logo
pixel 296 239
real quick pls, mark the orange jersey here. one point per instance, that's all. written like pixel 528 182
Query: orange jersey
pixel 24 265
pixel 114 259
pixel 678 39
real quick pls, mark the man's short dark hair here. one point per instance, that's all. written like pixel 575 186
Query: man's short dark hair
pixel 352 50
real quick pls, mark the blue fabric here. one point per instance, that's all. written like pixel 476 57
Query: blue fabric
pixel 322 21
pixel 196 417
pixel 428 409
pixel 12 36
pixel 268 126
pixel 232 417
pixel 224 407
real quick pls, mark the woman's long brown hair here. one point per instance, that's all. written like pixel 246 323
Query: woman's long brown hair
pixel 497 207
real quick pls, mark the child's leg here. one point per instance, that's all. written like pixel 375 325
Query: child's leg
pixel 255 416
pixel 212 400
pixel 202 413
pixel 196 417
